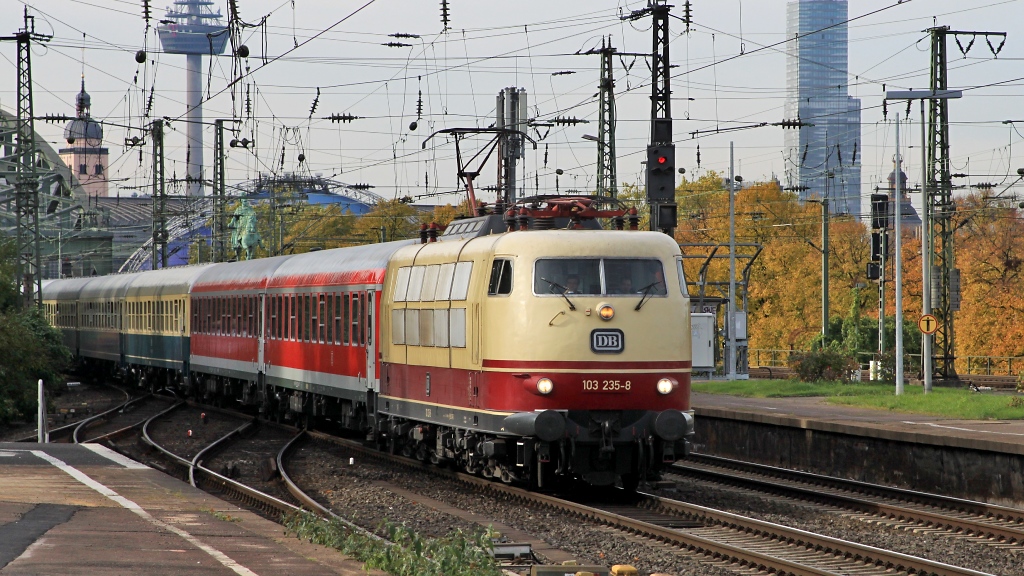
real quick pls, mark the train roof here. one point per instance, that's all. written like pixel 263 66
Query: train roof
pixel 166 281
pixel 623 243
pixel 65 289
pixel 107 287
pixel 245 275
pixel 355 265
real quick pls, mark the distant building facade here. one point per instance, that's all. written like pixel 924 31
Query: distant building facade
pixel 821 160
pixel 85 155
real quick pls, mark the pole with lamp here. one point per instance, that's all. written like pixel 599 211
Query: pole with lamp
pixel 730 314
pixel 927 360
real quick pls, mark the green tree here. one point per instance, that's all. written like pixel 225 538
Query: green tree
pixel 30 349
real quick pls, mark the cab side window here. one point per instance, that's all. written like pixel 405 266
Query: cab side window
pixel 501 278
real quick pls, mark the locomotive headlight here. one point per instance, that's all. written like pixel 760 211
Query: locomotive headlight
pixel 545 385
pixel 666 385
pixel 606 312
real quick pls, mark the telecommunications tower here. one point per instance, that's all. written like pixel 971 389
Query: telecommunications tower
pixel 194 30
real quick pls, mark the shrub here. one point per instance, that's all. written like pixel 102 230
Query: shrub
pixel 827 364
pixel 456 554
pixel 30 350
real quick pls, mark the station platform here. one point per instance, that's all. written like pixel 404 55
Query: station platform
pixel 1005 436
pixel 82 509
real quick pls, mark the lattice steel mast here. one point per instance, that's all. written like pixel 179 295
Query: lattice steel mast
pixel 29 269
pixel 945 279
pixel 606 178
pixel 159 198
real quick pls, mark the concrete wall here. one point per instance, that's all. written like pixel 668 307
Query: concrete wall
pixel 960 467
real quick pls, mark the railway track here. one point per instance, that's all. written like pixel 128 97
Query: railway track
pixel 739 543
pixel 718 537
pixel 985 523
pixel 75 419
pixel 189 463
pixel 202 464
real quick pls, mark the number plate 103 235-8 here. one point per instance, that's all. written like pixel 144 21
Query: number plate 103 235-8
pixel 612 386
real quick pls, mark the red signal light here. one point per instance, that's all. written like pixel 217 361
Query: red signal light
pixel 662 159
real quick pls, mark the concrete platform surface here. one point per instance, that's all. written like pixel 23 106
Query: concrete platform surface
pixel 84 510
pixel 1005 436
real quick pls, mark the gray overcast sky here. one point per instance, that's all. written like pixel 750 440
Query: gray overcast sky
pixel 492 45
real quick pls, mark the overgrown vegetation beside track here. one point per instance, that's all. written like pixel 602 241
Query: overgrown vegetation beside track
pixel 457 554
pixel 946 402
pixel 30 349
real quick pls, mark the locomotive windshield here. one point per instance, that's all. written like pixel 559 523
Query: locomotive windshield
pixel 599 276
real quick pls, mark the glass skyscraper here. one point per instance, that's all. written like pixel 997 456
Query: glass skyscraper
pixel 821 160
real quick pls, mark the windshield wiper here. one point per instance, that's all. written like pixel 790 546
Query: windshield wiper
pixel 562 292
pixel 647 293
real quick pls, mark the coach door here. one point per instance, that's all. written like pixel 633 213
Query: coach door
pixel 261 366
pixel 371 346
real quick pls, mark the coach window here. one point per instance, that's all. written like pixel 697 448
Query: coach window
pixel 250 315
pixel 682 276
pixel 458 327
pixel 282 314
pixel 501 278
pixel 273 316
pixel 314 320
pixel 279 310
pixel 347 311
pixel 336 322
pixel 324 320
pixel 412 327
pixel 357 300
pixel 398 327
pixel 304 318
pixel 444 281
pixel 402 284
pixel 441 328
pixel 460 282
pixel 285 316
pixel 415 283
pixel 430 274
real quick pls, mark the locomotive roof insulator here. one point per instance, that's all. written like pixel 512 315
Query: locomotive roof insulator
pixel 634 220
pixel 423 233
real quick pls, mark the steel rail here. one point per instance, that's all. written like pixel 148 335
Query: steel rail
pixel 105 415
pixel 994 511
pixel 69 429
pixel 885 561
pixel 212 446
pixel 308 501
pixel 149 440
pixel 244 493
pixel 969 526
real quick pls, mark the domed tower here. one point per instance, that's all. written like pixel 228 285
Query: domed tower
pixel 910 219
pixel 85 155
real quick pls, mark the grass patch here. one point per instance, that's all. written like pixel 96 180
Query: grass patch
pixel 946 402
pixel 221 515
pixel 785 388
pixel 456 554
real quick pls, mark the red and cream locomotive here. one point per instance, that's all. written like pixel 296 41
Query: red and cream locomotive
pixel 524 355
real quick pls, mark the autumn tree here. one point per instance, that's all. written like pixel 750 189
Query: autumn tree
pixel 989 244
pixel 396 219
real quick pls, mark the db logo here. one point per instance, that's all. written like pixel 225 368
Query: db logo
pixel 607 341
